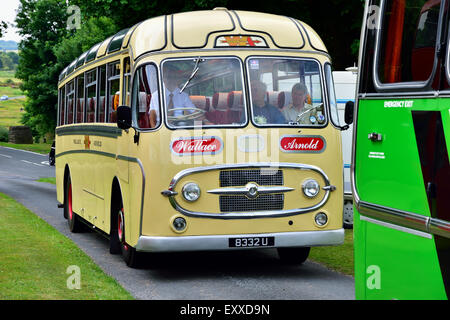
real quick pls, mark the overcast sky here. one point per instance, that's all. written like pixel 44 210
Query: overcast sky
pixel 8 13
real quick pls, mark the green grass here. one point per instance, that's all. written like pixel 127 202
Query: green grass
pixel 338 258
pixel 10 91
pixel 11 113
pixel 47 180
pixel 8 74
pixel 35 258
pixel 43 148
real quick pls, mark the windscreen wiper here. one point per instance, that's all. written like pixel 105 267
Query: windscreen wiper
pixel 194 72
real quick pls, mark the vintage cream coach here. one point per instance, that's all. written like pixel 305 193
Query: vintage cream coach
pixel 185 132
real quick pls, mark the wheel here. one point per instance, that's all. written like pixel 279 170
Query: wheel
pixel 129 254
pixel 75 224
pixel 348 215
pixel 296 255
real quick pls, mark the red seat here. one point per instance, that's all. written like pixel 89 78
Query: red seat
pixel 144 106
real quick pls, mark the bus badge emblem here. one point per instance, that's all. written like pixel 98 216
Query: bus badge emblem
pixel 304 144
pixel 87 143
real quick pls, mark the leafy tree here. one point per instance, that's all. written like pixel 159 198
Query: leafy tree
pixel 42 24
pixel 7 62
pixel 3 27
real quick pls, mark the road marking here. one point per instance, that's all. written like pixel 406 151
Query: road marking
pixel 39 154
pixel 36 164
pixel 4 155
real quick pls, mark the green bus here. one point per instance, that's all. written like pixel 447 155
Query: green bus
pixel 400 160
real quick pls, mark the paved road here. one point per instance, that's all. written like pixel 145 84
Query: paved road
pixel 239 275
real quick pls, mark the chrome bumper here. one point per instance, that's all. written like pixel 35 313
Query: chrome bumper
pixel 220 242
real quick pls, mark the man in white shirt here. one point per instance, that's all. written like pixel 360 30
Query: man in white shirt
pixel 174 99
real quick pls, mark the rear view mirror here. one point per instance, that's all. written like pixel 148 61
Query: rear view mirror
pixel 348 116
pixel 124 117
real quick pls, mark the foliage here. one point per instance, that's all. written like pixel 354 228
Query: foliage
pixel 42 24
pixel 4 134
pixel 3 27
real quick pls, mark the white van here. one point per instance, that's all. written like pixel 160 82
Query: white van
pixel 345 86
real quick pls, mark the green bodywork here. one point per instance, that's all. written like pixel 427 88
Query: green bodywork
pixel 391 263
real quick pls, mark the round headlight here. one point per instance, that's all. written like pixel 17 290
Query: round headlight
pixel 311 188
pixel 321 219
pixel 191 191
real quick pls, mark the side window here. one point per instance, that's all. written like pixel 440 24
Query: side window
pixel 113 90
pixel 79 118
pixel 91 95
pixel 145 97
pixel 102 94
pixel 70 101
pixel 331 95
pixel 407 44
pixel 62 105
pixel 126 82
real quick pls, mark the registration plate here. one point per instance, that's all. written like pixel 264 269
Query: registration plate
pixel 248 242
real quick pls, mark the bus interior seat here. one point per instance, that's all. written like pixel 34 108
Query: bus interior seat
pixel 144 105
pixel 219 115
pixel 91 110
pixel 236 106
pixel 70 112
pixel 80 109
pixel 276 98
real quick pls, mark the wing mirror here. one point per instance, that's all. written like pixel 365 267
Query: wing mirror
pixel 124 117
pixel 348 115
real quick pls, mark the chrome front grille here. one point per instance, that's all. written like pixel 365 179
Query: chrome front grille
pixel 242 203
pixel 231 178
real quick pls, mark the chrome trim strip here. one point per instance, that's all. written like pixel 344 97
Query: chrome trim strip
pixel 249 215
pixel 396 227
pixel 405 219
pixel 439 227
pixel 245 190
pixel 220 242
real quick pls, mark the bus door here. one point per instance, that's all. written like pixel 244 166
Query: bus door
pixel 400 159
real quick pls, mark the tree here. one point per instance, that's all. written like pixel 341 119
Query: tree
pixel 3 27
pixel 42 24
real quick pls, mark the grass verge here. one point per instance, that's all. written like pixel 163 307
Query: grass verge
pixel 47 180
pixel 43 148
pixel 338 258
pixel 35 259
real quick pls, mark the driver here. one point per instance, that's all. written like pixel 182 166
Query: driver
pixel 173 97
pixel 299 97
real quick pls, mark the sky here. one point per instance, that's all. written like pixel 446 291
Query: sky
pixel 8 13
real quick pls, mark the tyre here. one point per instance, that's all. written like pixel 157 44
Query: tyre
pixel 129 254
pixel 75 224
pixel 296 255
pixel 348 215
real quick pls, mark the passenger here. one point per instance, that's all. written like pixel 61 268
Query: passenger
pixel 173 97
pixel 298 105
pixel 264 113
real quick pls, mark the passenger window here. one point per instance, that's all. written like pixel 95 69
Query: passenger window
pixel 70 101
pixel 145 97
pixel 91 94
pixel 62 105
pixel 113 90
pixel 408 41
pixel 80 99
pixel 126 82
pixel 102 97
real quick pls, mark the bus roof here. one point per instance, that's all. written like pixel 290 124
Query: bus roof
pixel 218 28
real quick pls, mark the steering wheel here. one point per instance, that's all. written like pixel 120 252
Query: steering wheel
pixel 197 113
